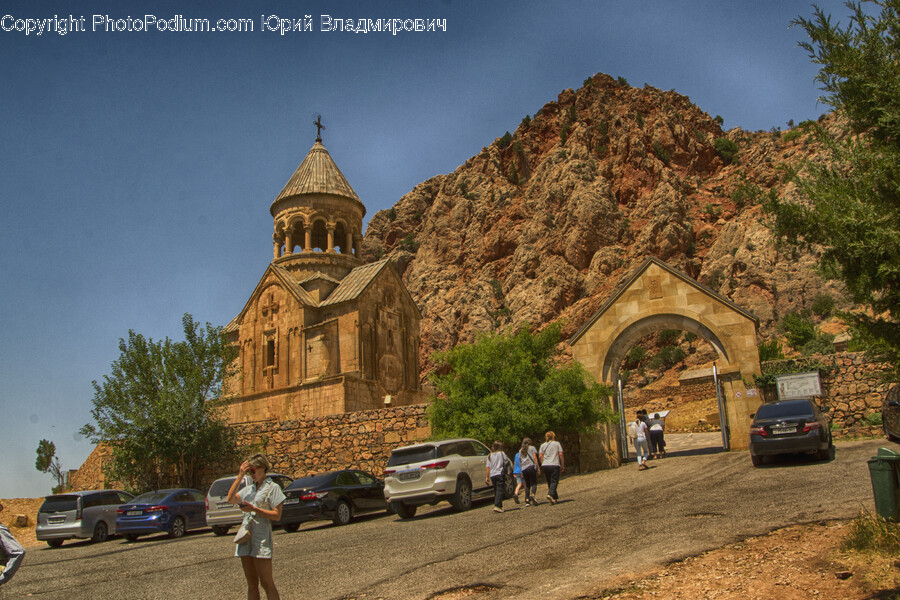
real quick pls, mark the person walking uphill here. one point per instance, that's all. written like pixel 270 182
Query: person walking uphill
pixel 552 464
pixel 527 457
pixel 495 474
pixel 11 553
pixel 261 502
pixel 641 435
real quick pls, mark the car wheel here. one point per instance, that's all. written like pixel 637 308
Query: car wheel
pixel 342 514
pixel 404 511
pixel 131 537
pixel 891 437
pixel 757 460
pixel 220 530
pixel 509 488
pixel 291 527
pixel 54 543
pixel 462 498
pixel 178 528
pixel 101 532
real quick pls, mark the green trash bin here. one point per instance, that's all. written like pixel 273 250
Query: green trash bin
pixel 884 469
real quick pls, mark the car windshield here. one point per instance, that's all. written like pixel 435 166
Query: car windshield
pixel 311 482
pixel 781 410
pixel 150 498
pixel 221 487
pixel 59 503
pixel 415 454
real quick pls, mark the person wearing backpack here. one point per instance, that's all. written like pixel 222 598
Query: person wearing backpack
pixel 495 473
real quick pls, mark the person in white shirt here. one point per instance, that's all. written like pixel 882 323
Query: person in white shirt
pixel 657 437
pixel 641 435
pixel 494 474
pixel 552 464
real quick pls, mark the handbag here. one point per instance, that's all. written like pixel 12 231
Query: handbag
pixel 245 532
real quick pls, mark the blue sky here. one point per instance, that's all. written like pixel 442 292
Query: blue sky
pixel 138 167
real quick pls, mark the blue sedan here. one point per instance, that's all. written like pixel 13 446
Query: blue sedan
pixel 164 511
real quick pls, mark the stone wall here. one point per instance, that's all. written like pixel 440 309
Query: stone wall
pixel 851 391
pixel 89 476
pixel 359 440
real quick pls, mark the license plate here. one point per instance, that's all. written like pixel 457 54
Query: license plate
pixel 783 430
pixel 224 505
pixel 408 475
pixel 134 513
pixel 291 500
pixel 56 520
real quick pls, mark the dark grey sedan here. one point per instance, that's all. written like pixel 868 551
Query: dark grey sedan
pixel 337 496
pixel 890 414
pixel 789 427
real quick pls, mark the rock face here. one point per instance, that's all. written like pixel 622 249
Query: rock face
pixel 542 225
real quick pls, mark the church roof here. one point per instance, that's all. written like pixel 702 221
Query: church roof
pixel 355 282
pixel 317 174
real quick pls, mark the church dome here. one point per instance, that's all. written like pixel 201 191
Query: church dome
pixel 317 174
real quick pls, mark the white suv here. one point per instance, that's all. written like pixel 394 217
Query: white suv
pixel 430 472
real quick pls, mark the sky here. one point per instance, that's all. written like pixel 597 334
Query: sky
pixel 138 167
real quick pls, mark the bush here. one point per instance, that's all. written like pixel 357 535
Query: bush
pixel 635 356
pixel 798 329
pixel 726 149
pixel 822 305
pixel 770 350
pixel 668 357
pixel 504 141
pixel 661 153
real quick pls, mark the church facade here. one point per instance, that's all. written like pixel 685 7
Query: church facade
pixel 323 333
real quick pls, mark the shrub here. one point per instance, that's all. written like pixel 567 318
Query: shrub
pixel 526 121
pixel 661 152
pixel 822 305
pixel 409 243
pixel 504 141
pixel 770 350
pixel 798 329
pixel 668 336
pixel 622 81
pixel 635 356
pixel 726 149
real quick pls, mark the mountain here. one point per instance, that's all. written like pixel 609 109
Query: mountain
pixel 542 224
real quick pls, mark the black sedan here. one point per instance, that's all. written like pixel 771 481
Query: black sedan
pixel 890 414
pixel 338 496
pixel 787 427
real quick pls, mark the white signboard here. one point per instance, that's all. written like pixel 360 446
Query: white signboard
pixel 798 385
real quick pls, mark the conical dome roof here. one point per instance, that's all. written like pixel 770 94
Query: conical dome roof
pixel 317 174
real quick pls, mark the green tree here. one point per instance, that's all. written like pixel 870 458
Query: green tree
pixel 160 408
pixel 507 385
pixel 48 462
pixel 849 204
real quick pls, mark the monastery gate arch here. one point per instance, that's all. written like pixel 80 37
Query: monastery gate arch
pixel 657 297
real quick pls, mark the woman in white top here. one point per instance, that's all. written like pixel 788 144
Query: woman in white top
pixel 529 460
pixel 261 502
pixel 641 435
pixel 552 464
pixel 657 440
pixel 494 474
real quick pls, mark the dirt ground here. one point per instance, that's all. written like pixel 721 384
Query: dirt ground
pixel 21 506
pixel 798 562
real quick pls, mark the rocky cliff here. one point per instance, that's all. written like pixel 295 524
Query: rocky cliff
pixel 542 224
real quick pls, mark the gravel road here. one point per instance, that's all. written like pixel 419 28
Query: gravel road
pixel 607 523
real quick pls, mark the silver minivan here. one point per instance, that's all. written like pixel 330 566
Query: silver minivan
pixel 220 513
pixel 88 514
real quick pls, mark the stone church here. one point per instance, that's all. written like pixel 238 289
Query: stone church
pixel 323 333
